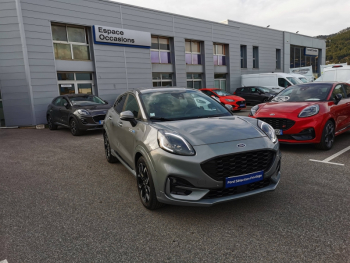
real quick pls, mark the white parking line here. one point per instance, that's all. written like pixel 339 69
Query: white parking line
pixel 327 160
pixel 4 261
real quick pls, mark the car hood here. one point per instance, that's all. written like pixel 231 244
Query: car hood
pixel 94 109
pixel 282 108
pixel 232 97
pixel 212 130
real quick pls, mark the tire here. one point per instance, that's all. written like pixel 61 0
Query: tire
pixel 73 125
pixel 145 185
pixel 110 158
pixel 328 135
pixel 50 123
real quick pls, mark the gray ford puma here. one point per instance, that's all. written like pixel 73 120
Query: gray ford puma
pixel 184 148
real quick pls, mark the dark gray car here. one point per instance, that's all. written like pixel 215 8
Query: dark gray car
pixel 256 94
pixel 185 148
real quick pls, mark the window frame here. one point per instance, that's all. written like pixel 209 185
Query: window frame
pixel 194 53
pixel 75 82
pixel 72 43
pixel 244 57
pixel 161 50
pixel 193 80
pixel 256 59
pixel 161 80
pixel 278 58
pixel 215 53
pixel 125 103
pixel 116 102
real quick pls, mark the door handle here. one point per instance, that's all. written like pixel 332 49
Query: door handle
pixel 120 124
pixel 110 117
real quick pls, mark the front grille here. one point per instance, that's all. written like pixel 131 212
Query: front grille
pixel 277 123
pixel 98 118
pixel 238 164
pixel 237 190
pixel 239 103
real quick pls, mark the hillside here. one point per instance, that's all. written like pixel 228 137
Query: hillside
pixel 338 47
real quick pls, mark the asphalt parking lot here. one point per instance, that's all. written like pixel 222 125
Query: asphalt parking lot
pixel 62 202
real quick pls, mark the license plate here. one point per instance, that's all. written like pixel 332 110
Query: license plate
pixel 242 105
pixel 101 122
pixel 244 179
pixel 279 132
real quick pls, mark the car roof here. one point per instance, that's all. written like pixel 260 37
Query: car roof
pixel 161 89
pixel 76 95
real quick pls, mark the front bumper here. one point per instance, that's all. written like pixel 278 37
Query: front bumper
pixel 205 191
pixel 90 122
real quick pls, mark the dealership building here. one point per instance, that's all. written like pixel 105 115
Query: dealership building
pixel 53 47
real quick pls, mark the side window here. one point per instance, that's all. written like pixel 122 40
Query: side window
pixel 338 90
pixel 57 102
pixel 253 90
pixel 118 105
pixel 206 92
pixel 63 101
pixel 283 83
pixel 132 105
pixel 347 90
pixel 245 90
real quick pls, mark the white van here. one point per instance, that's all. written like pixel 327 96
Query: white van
pixel 275 81
pixel 305 72
pixel 336 73
pixel 301 78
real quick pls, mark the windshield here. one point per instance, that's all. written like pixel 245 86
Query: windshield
pixel 86 100
pixel 304 92
pixel 293 80
pixel 221 92
pixel 266 90
pixel 304 80
pixel 177 105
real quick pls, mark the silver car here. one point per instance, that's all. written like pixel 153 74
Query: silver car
pixel 184 153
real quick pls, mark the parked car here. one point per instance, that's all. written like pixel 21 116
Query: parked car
pixel 226 98
pixel 301 78
pixel 339 73
pixel 275 81
pixel 184 154
pixel 308 113
pixel 78 112
pixel 256 94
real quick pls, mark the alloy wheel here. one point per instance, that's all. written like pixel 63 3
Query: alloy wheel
pixel 73 127
pixel 143 183
pixel 49 121
pixel 329 136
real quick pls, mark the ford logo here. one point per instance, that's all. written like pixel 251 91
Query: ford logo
pixel 241 145
pixel 272 114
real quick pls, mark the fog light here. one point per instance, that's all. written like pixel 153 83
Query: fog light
pixel 179 186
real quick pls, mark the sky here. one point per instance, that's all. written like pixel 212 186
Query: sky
pixel 309 17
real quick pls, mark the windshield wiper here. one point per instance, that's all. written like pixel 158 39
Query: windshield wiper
pixel 160 119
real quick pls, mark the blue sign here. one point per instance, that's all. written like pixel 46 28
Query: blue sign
pixel 244 179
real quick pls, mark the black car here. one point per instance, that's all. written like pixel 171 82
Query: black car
pixel 255 95
pixel 78 112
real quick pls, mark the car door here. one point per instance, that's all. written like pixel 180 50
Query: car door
pixel 347 100
pixel 339 111
pixel 54 110
pixel 128 132
pixel 64 111
pixel 254 95
pixel 113 123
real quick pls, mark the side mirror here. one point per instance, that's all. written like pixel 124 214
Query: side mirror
pixel 337 98
pixel 66 105
pixel 128 116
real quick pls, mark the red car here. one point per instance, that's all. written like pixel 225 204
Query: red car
pixel 308 113
pixel 226 98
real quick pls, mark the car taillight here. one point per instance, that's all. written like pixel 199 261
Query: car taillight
pixel 234 93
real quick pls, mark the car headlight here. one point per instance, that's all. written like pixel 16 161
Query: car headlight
pixel 254 110
pixel 309 111
pixel 230 100
pixel 174 143
pixel 268 130
pixel 82 112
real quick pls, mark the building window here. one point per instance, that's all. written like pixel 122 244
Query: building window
pixel 193 52
pixel 162 79
pixel 243 56
pixel 70 42
pixel 278 59
pixel 160 50
pixel 219 51
pixel 194 81
pixel 220 81
pixel 75 82
pixel 255 57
